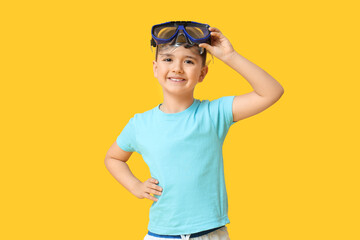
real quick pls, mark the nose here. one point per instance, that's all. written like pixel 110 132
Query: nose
pixel 177 67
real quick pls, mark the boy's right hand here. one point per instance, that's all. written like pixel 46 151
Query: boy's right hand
pixel 143 189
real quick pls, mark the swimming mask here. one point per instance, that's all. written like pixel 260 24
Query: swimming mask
pixel 178 33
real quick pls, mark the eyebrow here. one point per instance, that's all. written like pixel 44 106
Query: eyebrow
pixel 171 55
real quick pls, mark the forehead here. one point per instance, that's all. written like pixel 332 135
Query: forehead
pixel 180 50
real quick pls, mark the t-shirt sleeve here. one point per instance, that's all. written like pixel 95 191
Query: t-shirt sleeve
pixel 221 115
pixel 127 138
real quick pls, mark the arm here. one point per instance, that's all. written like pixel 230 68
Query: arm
pixel 266 89
pixel 115 162
pixel 263 84
pixel 266 92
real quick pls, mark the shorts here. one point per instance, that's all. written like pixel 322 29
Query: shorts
pixel 219 234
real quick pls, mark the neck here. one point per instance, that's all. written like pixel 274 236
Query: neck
pixel 175 105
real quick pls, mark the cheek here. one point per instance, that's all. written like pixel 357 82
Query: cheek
pixel 162 72
pixel 196 72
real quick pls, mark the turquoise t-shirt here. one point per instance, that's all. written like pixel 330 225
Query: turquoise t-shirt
pixel 184 152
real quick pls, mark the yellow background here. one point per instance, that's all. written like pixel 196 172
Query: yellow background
pixel 74 72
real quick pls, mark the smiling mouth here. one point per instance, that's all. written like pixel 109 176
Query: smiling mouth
pixel 177 79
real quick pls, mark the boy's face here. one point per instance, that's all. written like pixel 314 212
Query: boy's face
pixel 181 63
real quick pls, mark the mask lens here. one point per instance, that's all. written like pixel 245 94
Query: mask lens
pixel 165 32
pixel 197 31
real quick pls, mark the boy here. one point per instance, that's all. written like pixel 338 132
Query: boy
pixel 181 139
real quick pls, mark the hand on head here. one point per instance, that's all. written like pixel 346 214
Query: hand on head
pixel 220 46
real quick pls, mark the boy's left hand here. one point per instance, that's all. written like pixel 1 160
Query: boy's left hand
pixel 220 46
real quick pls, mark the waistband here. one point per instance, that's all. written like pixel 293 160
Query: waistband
pixel 198 234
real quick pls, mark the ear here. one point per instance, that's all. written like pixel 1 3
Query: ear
pixel 203 73
pixel 155 68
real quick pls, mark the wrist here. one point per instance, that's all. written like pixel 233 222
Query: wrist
pixel 134 185
pixel 229 56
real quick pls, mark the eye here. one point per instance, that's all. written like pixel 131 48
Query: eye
pixel 167 59
pixel 189 61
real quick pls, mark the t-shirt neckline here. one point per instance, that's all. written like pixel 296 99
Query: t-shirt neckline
pixel 175 115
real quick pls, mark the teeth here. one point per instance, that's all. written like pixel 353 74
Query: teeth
pixel 176 80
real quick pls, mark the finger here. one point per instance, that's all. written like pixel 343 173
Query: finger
pixel 214 29
pixel 206 46
pixel 216 34
pixel 154 191
pixel 153 180
pixel 148 196
pixel 156 187
pixel 151 186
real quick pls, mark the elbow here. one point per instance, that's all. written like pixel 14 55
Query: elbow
pixel 282 91
pixel 107 160
pixel 280 94
pixel 277 96
pixel 275 93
